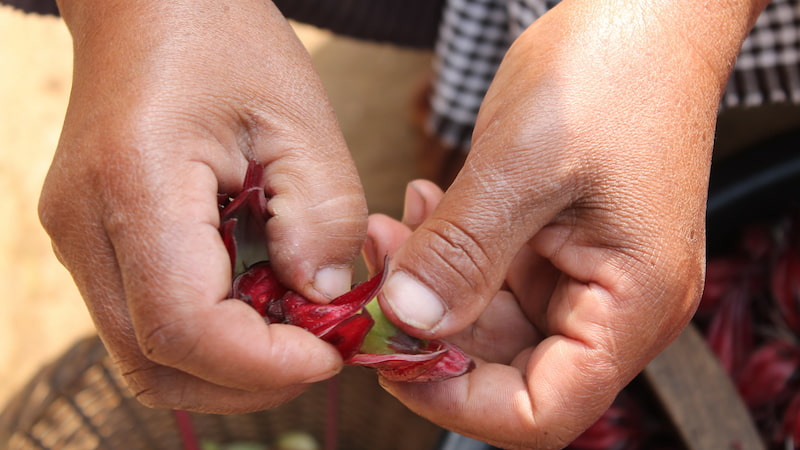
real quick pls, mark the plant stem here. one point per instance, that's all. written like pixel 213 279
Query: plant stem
pixel 332 414
pixel 186 430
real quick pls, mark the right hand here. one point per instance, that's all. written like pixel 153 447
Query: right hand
pixel 169 101
pixel 569 250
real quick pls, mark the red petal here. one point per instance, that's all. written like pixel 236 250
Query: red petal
pixel 349 335
pixel 295 309
pixel 259 287
pixel 399 366
pixel 244 220
pixel 785 284
pixel 440 361
pixel 362 293
pixel 730 333
pixel 767 374
pixel 228 238
pixel 251 195
pixel 620 427
pixel 791 420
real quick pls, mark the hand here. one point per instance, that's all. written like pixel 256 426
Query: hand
pixel 570 249
pixel 169 101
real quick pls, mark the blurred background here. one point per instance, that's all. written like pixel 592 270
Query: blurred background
pixel 41 313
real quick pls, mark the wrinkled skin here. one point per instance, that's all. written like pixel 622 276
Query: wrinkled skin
pixel 169 101
pixel 567 253
pixel 570 248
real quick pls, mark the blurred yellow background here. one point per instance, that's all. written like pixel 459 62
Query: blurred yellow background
pixel 41 312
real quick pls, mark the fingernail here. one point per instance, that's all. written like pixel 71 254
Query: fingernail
pixel 368 252
pixel 412 302
pixel 332 281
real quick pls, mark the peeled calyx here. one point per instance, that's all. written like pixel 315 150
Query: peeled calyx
pixel 352 322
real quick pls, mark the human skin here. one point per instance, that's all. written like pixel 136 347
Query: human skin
pixel 169 102
pixel 567 253
pixel 570 248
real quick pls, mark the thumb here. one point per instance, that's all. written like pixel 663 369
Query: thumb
pixel 447 271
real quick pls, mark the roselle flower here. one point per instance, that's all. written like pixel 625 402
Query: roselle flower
pixel 790 428
pixel 730 332
pixel 258 286
pixel 785 282
pixel 621 427
pixel 242 221
pixel 770 374
pixel 400 357
pixel 352 322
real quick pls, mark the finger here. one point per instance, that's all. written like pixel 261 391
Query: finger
pixel 532 279
pixel 446 273
pixel 553 392
pixel 317 205
pixel 317 224
pixel 163 387
pixel 540 412
pixel 500 333
pixel 176 273
pixel 384 237
pixel 83 247
pixel 421 199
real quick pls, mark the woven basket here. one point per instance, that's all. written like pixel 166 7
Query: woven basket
pixel 80 402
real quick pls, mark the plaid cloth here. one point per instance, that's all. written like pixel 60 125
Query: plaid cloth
pixel 475 34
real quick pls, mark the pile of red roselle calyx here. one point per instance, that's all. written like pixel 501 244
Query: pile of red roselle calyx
pixel 750 311
pixel 353 322
pixel 750 314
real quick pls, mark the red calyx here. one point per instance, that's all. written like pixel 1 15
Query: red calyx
pixel 766 376
pixel 259 287
pixel 730 333
pixel 620 427
pixel 438 360
pixel 344 322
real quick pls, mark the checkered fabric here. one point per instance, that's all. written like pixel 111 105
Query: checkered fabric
pixel 475 34
pixel 768 68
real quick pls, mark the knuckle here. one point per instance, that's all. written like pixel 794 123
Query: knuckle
pixel 168 343
pixel 153 397
pixel 152 386
pixel 330 231
pixel 458 250
pixel 685 273
pixel 344 217
pixel 51 211
pixel 45 208
pixel 70 203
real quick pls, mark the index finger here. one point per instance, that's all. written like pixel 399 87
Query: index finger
pixel 176 276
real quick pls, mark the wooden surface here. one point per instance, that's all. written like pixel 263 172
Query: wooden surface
pixel 699 397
